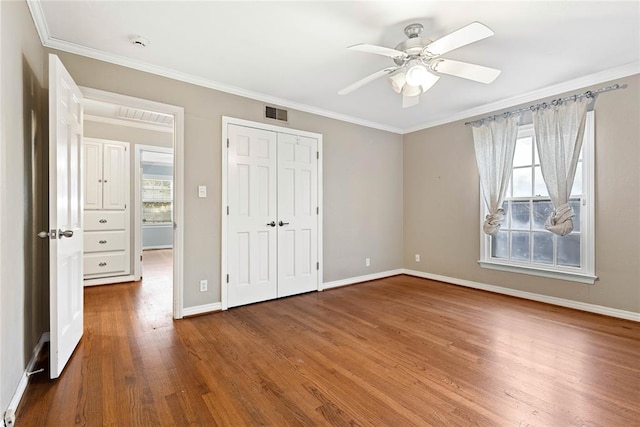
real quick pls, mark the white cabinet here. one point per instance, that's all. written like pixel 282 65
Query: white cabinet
pixel 107 237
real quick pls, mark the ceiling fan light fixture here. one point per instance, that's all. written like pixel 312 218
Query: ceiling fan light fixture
pixel 410 90
pixel 416 74
pixel 397 82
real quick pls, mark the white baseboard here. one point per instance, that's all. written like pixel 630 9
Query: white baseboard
pixel 9 414
pixel 201 309
pixel 593 308
pixel 358 279
pixel 109 280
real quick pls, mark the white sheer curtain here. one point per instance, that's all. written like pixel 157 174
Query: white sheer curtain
pixel 495 143
pixel 559 131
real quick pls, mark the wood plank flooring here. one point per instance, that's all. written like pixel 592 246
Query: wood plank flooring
pixel 400 351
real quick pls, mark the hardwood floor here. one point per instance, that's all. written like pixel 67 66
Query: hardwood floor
pixel 396 352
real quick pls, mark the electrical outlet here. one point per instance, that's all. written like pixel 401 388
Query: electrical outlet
pixel 417 257
pixel 367 262
pixel 203 286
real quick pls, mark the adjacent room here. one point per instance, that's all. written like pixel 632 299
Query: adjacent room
pixel 320 213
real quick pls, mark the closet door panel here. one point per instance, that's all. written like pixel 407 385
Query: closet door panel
pixel 92 163
pixel 251 181
pixel 115 176
pixel 297 203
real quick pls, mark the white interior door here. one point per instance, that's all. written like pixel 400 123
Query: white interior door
pixel 65 215
pixel 252 228
pixel 297 214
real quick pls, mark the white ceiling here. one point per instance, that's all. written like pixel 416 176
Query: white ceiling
pixel 293 54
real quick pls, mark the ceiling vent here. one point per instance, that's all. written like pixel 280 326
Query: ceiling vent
pixel 275 114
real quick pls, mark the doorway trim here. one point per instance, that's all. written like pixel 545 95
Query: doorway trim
pixel 178 179
pixel 226 121
pixel 137 202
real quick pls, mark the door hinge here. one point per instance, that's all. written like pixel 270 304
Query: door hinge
pixel 125 206
pixel 140 257
pixel 318 210
pixel 227 142
pixel 317 155
pixel 317 266
pixel 227 278
pixel 227 210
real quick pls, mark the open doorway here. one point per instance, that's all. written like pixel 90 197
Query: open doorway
pixel 151 134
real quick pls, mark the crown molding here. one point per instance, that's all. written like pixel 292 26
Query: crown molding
pixel 43 31
pixel 37 13
pixel 536 95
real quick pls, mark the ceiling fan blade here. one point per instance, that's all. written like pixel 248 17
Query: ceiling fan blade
pixel 378 50
pixel 465 70
pixel 410 101
pixel 366 80
pixel 462 37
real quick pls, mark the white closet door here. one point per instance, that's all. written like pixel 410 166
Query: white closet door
pixel 252 168
pixel 297 214
pixel 92 162
pixel 115 176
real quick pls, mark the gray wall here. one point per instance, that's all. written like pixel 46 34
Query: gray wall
pixel 23 296
pixel 362 176
pixel 441 188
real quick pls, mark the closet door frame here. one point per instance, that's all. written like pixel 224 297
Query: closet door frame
pixel 226 121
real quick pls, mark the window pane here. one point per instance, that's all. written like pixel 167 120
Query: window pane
pixel 522 182
pixel 541 211
pixel 520 245
pixel 520 212
pixel 576 190
pixel 500 245
pixel 575 204
pixel 522 155
pixel 540 189
pixel 569 250
pixel 543 247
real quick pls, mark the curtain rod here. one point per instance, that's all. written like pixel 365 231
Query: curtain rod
pixel 588 94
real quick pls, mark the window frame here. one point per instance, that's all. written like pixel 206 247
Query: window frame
pixel 584 274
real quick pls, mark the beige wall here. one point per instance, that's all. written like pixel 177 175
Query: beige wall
pixel 24 298
pixel 362 176
pixel 442 217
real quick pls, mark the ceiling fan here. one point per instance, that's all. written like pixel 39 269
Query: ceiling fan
pixel 418 62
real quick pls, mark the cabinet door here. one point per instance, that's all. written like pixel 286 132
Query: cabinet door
pixel 115 176
pixel 92 157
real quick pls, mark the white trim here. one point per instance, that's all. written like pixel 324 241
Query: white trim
pixel 549 91
pixel 137 203
pixel 128 123
pixel 592 308
pixel 113 280
pixel 178 178
pixel 534 271
pixel 201 309
pixel 226 121
pixel 359 279
pixel 24 379
pixel 40 22
pixel 151 248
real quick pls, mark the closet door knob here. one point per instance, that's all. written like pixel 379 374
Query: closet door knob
pixel 271 224
pixel 282 223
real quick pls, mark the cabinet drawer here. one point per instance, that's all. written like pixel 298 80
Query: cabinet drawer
pixel 104 220
pixel 104 241
pixel 105 263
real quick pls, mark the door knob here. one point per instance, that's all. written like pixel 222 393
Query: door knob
pixel 282 223
pixel 271 224
pixel 66 233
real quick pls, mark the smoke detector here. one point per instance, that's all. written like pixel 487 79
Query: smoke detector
pixel 139 41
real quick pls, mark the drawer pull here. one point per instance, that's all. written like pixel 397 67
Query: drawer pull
pixel 102 242
pixel 103 221
pixel 102 264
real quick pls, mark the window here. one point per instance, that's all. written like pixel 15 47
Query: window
pixel 157 198
pixel 523 244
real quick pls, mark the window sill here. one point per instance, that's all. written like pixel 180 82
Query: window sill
pixel 561 275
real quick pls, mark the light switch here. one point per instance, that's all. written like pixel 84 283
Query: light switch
pixel 202 191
